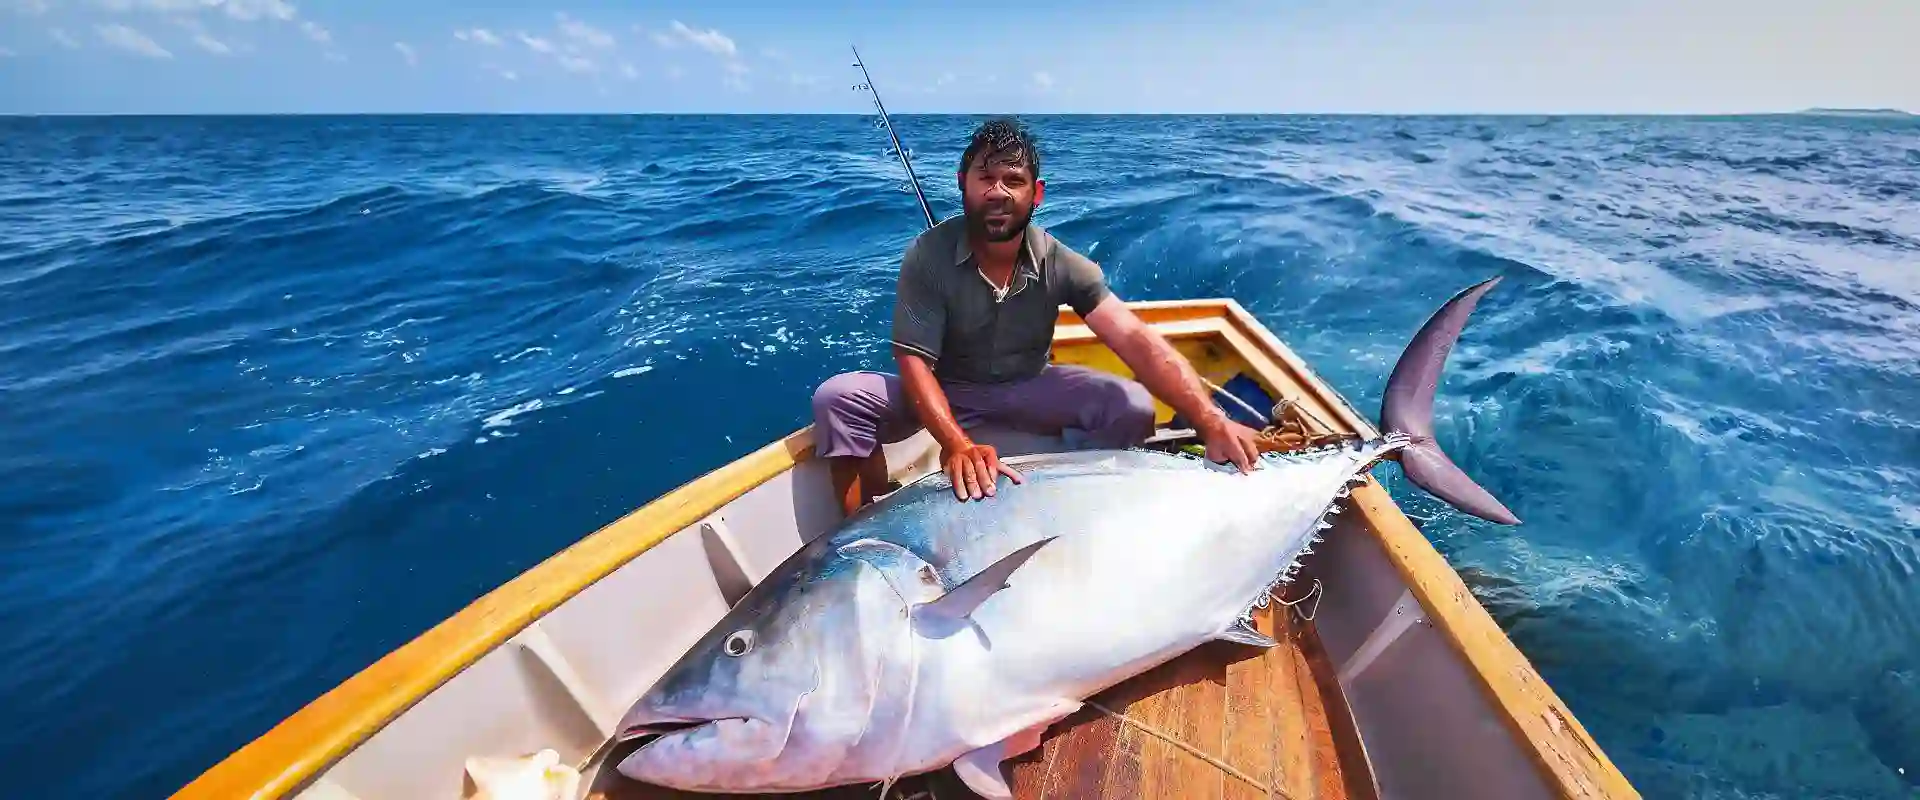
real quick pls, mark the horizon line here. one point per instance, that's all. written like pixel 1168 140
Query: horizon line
pixel 1818 111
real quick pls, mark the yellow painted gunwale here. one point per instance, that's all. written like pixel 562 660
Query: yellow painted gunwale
pixel 281 761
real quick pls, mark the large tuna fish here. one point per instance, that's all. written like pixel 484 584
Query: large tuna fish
pixel 926 632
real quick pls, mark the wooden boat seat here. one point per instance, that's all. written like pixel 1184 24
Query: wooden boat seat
pixel 1224 721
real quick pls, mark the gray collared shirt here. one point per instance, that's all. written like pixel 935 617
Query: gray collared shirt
pixel 946 310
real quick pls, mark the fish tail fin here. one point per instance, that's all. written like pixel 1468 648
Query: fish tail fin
pixel 1408 410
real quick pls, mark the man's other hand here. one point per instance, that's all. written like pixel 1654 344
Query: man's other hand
pixel 974 469
pixel 1229 441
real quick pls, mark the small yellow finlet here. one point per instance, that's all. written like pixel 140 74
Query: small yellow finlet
pixel 540 776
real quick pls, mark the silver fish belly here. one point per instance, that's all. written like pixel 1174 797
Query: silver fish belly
pixel 1152 555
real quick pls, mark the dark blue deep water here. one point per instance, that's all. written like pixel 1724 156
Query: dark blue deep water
pixel 281 393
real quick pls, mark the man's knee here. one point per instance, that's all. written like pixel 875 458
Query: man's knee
pixel 1136 405
pixel 853 414
pixel 845 393
pixel 1129 409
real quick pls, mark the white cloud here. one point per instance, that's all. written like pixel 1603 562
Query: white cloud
pixel 581 34
pixel 205 40
pixel 535 43
pixel 406 52
pixel 478 36
pixel 804 81
pixel 212 45
pixel 572 47
pixel 258 9
pixel 131 41
pixel 627 71
pixel 675 72
pixel 30 8
pixel 773 54
pixel 1043 81
pixel 65 39
pixel 315 32
pixel 712 40
pixel 505 74
pixel 247 10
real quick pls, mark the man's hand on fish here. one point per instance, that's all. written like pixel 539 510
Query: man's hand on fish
pixel 974 469
pixel 1229 441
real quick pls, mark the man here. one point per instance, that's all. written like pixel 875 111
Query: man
pixel 973 325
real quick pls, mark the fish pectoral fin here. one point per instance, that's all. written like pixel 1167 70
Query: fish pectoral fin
pixel 894 564
pixel 980 769
pixel 960 602
pixel 1245 634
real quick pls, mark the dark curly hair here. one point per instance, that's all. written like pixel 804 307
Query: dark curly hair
pixel 1004 137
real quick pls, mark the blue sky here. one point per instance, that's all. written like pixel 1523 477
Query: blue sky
pixel 1491 56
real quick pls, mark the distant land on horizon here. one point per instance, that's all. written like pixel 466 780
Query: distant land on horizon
pixel 1858 112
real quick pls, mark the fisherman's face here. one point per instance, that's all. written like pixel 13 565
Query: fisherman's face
pixel 998 194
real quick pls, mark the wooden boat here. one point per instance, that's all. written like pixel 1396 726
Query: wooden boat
pixel 1390 679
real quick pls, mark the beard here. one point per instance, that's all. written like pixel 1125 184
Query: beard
pixel 982 222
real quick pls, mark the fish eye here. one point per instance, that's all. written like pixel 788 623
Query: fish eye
pixel 738 643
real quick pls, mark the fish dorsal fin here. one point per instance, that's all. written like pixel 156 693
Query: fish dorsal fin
pixel 1245 634
pixel 952 609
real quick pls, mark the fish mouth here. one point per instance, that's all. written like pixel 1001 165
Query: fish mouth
pixel 669 725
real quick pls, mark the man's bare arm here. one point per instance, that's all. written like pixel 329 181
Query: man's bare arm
pixel 974 468
pixel 929 401
pixel 1171 378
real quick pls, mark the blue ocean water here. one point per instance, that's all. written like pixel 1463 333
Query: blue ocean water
pixel 281 393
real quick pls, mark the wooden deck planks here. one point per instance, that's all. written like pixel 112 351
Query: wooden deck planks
pixel 1247 731
pixel 1261 712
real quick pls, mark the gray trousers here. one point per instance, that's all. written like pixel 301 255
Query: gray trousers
pixel 855 412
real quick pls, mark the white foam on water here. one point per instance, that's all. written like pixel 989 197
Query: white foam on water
pixel 505 417
pixel 1468 219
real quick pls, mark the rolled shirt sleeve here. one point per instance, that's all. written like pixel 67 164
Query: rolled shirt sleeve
pixel 1082 284
pixel 919 307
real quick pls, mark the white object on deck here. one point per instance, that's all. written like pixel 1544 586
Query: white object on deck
pixel 540 776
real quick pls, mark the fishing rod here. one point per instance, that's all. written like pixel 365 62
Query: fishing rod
pixel 899 150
